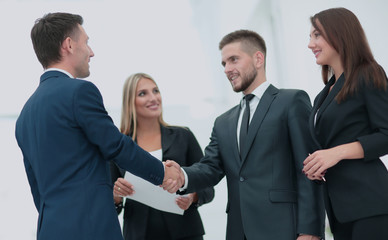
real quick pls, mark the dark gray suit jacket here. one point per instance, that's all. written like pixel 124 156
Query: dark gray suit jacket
pixel 178 144
pixel 268 196
pixel 357 188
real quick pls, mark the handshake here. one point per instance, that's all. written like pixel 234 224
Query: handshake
pixel 173 176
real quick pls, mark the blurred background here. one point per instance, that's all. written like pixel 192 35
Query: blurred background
pixel 176 42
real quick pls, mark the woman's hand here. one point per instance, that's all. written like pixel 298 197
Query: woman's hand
pixel 184 202
pixel 316 164
pixel 308 237
pixel 122 188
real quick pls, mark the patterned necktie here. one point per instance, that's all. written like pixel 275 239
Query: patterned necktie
pixel 245 123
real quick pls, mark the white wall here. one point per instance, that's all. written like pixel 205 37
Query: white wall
pixel 176 41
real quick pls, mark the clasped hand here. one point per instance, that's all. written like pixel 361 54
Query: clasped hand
pixel 173 176
pixel 316 164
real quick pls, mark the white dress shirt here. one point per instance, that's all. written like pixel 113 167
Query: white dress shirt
pixel 258 92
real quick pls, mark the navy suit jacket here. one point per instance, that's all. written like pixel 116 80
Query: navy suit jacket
pixel 178 144
pixel 67 140
pixel 268 196
pixel 358 188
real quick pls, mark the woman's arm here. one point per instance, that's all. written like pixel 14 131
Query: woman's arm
pixel 316 164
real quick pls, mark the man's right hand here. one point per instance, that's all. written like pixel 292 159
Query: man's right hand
pixel 173 176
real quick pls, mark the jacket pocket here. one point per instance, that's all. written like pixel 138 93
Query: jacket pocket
pixel 279 196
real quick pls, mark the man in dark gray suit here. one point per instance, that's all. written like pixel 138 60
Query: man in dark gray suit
pixel 268 195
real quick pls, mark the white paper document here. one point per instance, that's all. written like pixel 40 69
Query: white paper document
pixel 152 195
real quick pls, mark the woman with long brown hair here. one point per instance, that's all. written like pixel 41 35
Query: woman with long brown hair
pixel 142 119
pixel 349 123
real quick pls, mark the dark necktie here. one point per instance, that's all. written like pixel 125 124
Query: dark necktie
pixel 245 123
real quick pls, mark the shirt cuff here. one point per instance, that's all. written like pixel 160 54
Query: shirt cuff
pixel 186 181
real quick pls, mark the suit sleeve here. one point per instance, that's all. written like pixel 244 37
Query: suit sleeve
pixel 92 117
pixel 209 171
pixel 311 216
pixel 194 154
pixel 33 184
pixel 375 144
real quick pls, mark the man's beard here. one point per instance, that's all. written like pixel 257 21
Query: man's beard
pixel 246 80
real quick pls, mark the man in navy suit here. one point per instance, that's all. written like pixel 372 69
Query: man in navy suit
pixel 67 140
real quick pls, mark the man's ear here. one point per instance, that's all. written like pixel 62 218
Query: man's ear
pixel 67 46
pixel 259 59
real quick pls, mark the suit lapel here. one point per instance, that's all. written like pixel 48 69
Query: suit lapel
pixel 233 119
pixel 168 138
pixel 314 115
pixel 312 127
pixel 259 115
pixel 327 97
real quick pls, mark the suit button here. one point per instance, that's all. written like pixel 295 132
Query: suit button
pixel 242 179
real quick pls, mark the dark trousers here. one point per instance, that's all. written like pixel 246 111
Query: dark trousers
pixel 372 228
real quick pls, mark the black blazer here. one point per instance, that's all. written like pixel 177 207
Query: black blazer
pixel 355 188
pixel 268 195
pixel 178 144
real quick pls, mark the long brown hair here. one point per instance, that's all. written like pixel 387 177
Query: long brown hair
pixel 343 31
pixel 128 124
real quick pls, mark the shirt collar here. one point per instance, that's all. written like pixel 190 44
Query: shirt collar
pixel 59 70
pixel 258 92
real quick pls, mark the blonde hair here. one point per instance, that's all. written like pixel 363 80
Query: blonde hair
pixel 128 124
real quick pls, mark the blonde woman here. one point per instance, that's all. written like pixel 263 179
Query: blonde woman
pixel 142 120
